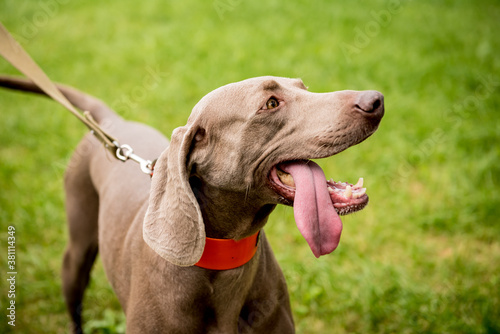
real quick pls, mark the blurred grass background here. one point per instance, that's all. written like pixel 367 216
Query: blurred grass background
pixel 423 257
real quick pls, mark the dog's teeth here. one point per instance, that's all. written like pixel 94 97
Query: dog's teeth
pixel 359 193
pixel 359 184
pixel 348 192
pixel 286 178
pixel 334 190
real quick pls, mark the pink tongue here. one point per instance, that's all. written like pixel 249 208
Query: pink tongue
pixel 315 215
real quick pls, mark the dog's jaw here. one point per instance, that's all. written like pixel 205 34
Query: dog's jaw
pixel 346 197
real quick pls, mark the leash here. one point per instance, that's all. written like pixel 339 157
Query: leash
pixel 19 58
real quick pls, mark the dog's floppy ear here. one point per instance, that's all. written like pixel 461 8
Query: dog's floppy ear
pixel 173 226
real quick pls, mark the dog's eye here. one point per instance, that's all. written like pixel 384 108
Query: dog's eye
pixel 272 103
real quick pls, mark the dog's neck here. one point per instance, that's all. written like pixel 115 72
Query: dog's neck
pixel 229 214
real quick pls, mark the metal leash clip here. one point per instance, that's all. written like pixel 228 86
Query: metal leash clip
pixel 15 54
pixel 125 152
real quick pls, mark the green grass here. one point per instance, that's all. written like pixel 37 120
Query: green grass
pixel 423 257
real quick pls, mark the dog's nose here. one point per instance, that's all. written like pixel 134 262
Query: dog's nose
pixel 371 103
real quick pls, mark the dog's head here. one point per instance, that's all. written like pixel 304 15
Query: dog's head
pixel 256 138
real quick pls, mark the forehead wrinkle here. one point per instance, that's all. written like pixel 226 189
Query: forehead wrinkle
pixel 300 84
pixel 270 85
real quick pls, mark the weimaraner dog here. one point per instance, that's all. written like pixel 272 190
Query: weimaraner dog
pixel 245 148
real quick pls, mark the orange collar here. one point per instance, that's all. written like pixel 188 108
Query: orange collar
pixel 224 254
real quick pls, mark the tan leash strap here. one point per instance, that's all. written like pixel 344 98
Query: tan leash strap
pixel 15 54
pixel 19 58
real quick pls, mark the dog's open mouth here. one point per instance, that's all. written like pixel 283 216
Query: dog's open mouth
pixel 346 197
pixel 317 202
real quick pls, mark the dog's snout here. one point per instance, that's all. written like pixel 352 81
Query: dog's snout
pixel 371 103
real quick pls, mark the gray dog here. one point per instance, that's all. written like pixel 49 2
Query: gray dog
pixel 185 251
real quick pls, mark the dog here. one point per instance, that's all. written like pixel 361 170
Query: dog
pixel 246 147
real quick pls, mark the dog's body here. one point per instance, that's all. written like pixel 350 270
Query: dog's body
pixel 221 176
pixel 157 296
